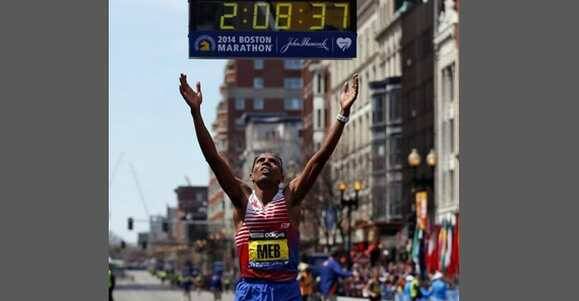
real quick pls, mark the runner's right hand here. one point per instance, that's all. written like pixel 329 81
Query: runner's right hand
pixel 193 98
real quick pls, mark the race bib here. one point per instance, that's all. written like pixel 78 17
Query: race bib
pixel 268 250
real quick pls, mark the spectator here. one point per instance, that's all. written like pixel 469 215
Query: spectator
pixel 388 289
pixel 186 281
pixel 330 272
pixel 307 283
pixel 216 286
pixel 112 282
pixel 438 288
pixel 199 283
pixel 410 292
pixel 373 288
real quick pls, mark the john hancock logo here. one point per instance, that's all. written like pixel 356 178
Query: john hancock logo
pixel 205 43
pixel 305 43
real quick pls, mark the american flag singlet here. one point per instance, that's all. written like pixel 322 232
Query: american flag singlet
pixel 267 243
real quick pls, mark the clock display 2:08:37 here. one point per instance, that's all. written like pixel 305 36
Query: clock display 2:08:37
pixel 278 15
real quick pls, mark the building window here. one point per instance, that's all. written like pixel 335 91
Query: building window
pixel 451 185
pixel 394 151
pixel 258 82
pixel 292 64
pixel 379 160
pixel 319 118
pixel 239 104
pixel 294 104
pixel 258 104
pixel 258 64
pixel 378 114
pixel 448 83
pixel 394 192
pixel 394 106
pixel 446 186
pixel 451 139
pixel 293 83
pixel 319 88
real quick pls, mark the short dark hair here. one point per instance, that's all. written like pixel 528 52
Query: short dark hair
pixel 276 155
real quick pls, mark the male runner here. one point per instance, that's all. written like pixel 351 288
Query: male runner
pixel 266 217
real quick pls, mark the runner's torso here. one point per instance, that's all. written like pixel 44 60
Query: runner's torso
pixel 267 241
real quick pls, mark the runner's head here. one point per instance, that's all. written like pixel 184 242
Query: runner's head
pixel 267 169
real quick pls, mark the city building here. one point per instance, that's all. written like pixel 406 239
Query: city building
pixel 316 123
pixel 417 93
pixel 260 87
pixel 352 159
pixel 447 110
pixel 173 215
pixel 387 156
pixel 192 208
pixel 279 135
pixel 315 75
pixel 387 124
pixel 143 240
pixel 157 235
pixel 220 209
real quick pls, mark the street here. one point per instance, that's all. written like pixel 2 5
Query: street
pixel 148 288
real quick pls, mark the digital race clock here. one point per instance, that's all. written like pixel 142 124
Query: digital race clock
pixel 296 29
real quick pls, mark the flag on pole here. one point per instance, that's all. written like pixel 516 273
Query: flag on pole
pixel 416 248
pixel 433 250
pixel 453 268
pixel 442 245
pixel 448 246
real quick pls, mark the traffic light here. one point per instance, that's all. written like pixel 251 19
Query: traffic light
pixel 130 223
pixel 165 227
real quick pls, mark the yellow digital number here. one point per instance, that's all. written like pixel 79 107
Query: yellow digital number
pixel 287 16
pixel 346 10
pixel 256 8
pixel 228 16
pixel 321 16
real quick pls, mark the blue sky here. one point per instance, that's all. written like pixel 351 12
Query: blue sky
pixel 149 123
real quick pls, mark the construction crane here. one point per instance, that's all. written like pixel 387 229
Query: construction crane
pixel 115 169
pixel 140 190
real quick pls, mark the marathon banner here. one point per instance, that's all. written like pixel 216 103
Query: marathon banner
pixel 216 44
pixel 422 210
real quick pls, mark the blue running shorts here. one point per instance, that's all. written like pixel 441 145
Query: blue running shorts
pixel 261 290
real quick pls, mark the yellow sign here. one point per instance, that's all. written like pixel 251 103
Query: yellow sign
pixel 268 250
pixel 422 209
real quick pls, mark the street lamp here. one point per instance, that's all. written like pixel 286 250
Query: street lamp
pixel 431 158
pixel 419 183
pixel 349 203
pixel 414 158
pixel 414 161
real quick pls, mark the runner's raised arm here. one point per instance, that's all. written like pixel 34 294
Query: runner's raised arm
pixel 233 186
pixel 304 181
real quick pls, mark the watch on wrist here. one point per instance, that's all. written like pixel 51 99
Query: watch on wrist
pixel 342 118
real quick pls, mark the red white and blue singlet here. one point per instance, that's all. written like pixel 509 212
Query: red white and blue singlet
pixel 267 242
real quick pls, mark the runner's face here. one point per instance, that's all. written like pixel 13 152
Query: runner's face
pixel 267 167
